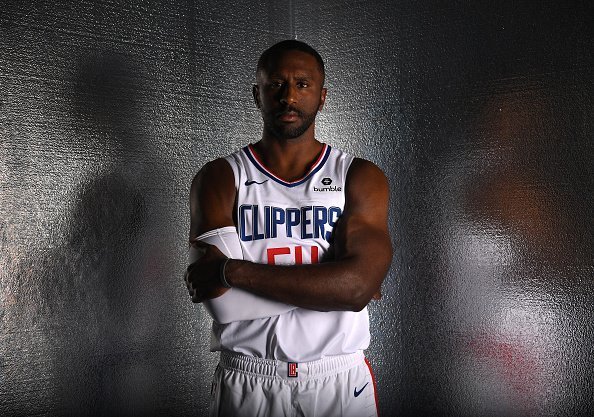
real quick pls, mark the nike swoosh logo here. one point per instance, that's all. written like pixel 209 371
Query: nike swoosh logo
pixel 357 393
pixel 254 182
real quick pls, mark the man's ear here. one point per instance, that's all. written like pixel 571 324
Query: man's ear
pixel 256 95
pixel 322 98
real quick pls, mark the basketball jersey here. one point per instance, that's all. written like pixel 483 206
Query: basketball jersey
pixel 290 223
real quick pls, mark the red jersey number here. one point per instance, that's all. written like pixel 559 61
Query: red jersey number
pixel 295 251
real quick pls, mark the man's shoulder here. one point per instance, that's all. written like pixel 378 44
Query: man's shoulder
pixel 364 168
pixel 213 174
pixel 365 178
pixel 214 167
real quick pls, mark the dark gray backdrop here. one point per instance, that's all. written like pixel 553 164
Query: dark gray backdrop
pixel 480 113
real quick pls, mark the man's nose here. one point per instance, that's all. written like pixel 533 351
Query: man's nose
pixel 288 95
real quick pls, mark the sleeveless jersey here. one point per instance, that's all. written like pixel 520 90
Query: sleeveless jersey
pixel 288 223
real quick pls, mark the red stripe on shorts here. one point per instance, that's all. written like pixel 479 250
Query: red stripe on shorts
pixel 374 385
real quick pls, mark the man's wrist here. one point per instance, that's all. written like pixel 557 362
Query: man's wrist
pixel 222 274
pixel 232 275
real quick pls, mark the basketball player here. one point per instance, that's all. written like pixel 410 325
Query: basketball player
pixel 289 243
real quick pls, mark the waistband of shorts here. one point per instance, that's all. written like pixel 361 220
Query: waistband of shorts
pixel 290 370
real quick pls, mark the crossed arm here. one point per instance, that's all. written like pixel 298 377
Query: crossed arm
pixel 362 246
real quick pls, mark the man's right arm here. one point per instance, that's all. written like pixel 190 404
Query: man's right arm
pixel 212 198
pixel 212 202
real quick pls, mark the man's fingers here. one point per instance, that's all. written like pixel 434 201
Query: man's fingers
pixel 202 274
pixel 194 292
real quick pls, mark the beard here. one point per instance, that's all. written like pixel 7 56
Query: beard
pixel 282 130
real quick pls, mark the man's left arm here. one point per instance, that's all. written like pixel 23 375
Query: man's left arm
pixel 363 252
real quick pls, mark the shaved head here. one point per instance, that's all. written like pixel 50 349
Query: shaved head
pixel 280 48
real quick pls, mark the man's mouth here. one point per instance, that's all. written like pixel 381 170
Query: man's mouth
pixel 289 115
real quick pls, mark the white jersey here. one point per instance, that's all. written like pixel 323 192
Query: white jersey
pixel 288 223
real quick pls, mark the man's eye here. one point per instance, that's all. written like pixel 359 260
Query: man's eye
pixel 302 85
pixel 276 84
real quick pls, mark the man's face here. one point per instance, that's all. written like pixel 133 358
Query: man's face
pixel 289 94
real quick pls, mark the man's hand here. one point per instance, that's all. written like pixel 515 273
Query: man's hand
pixel 203 277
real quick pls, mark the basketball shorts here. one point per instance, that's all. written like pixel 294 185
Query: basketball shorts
pixel 336 386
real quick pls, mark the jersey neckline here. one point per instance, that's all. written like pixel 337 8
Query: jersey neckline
pixel 317 165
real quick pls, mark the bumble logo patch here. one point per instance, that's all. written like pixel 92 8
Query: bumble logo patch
pixel 327 186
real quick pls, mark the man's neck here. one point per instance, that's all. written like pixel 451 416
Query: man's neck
pixel 290 159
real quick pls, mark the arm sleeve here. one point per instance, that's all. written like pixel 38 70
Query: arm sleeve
pixel 235 304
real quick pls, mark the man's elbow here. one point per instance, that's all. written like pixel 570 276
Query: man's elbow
pixel 361 296
pixel 359 306
pixel 370 282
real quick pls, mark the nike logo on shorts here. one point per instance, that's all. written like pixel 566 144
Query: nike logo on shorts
pixel 254 182
pixel 357 393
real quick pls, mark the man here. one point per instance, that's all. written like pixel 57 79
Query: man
pixel 306 225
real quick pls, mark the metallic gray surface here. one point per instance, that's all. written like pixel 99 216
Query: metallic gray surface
pixel 480 116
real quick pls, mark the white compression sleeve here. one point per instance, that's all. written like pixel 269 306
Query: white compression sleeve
pixel 235 304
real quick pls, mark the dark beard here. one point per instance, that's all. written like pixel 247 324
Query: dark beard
pixel 282 131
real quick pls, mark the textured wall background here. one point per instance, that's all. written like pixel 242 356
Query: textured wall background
pixel 481 115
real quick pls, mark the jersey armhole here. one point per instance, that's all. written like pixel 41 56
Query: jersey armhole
pixel 235 168
pixel 346 166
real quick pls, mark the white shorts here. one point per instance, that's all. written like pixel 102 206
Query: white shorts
pixel 341 386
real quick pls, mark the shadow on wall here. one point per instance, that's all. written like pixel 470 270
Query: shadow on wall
pixel 520 252
pixel 101 357
pixel 107 224
pixel 537 190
